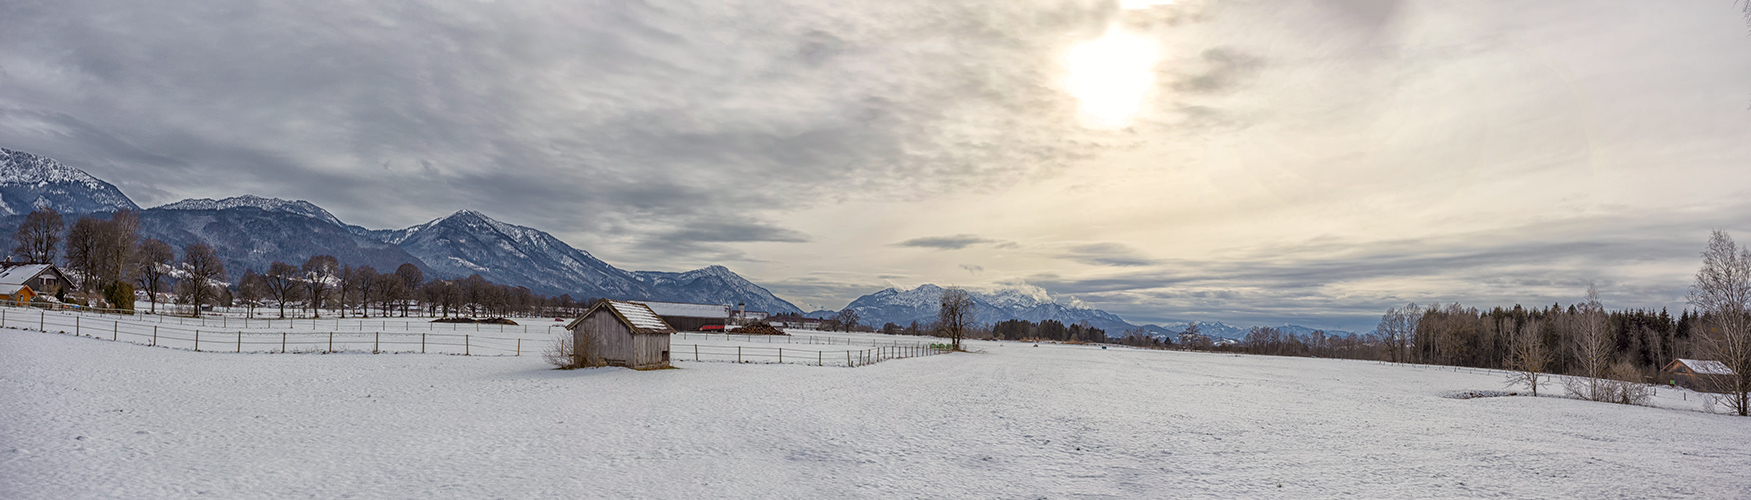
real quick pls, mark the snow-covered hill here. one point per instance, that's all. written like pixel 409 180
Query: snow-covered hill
pixel 468 242
pixel 28 181
pixel 299 207
pixel 714 285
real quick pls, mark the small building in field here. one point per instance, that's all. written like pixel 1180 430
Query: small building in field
pixel 42 278
pixel 16 294
pixel 1697 374
pixel 686 317
pixel 622 333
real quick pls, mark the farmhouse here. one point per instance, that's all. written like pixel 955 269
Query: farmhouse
pixel 43 278
pixel 687 317
pixel 623 334
pixel 1696 375
pixel 17 294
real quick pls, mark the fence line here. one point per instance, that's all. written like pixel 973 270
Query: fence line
pixel 332 341
pixel 757 354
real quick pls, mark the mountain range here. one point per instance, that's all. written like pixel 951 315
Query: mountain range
pixel 250 232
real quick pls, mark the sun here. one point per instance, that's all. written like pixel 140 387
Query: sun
pixel 1110 76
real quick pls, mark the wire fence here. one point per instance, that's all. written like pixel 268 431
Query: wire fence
pixel 802 356
pixel 360 338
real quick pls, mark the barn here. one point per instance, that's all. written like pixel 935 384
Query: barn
pixel 625 334
pixel 16 294
pixel 686 317
pixel 1696 374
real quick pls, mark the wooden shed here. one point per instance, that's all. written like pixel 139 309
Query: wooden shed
pixel 625 334
pixel 16 294
pixel 1697 374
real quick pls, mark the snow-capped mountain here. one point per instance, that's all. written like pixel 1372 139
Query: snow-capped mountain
pixel 714 285
pixel 28 181
pixel 1014 301
pixel 468 242
pixel 299 207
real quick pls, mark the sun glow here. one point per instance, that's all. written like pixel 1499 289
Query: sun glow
pixel 1110 76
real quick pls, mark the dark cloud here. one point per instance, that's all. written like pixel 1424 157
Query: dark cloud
pixel 646 117
pixel 1225 69
pixel 973 269
pixel 955 242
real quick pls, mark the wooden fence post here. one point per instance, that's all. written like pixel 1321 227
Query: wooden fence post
pixel 696 352
pixel 239 341
pixel 282 342
pixel 376 340
pixel 738 354
pixel 519 347
pixel 781 355
pixel 422 342
pixel 117 332
pixel 465 347
pixel 42 321
pixel 197 340
pixel 75 325
pixel 154 335
pixel 818 359
pixel 330 339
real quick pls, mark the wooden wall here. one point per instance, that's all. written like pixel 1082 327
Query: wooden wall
pixel 618 346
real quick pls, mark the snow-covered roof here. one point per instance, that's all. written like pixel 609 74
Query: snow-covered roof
pixel 17 275
pixel 11 289
pixel 1707 367
pixel 686 310
pixel 638 316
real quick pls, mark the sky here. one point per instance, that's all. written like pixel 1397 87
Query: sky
pixel 1307 162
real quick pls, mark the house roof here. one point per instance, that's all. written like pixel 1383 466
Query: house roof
pixel 638 316
pixel 18 274
pixel 686 310
pixel 12 289
pixel 1706 367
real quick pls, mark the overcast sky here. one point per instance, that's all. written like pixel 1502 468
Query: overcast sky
pixel 1256 162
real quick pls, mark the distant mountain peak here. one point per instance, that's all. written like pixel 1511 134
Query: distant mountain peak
pixel 299 207
pixel 29 181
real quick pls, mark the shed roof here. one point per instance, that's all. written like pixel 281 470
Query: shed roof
pixel 686 310
pixel 636 315
pixel 12 288
pixel 1706 367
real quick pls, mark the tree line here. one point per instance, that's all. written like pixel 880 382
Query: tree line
pixel 109 262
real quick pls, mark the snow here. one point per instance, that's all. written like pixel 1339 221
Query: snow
pixel 90 418
pixel 20 168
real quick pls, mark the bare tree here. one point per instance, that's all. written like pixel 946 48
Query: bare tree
pixel 320 273
pixel 847 318
pixel 1723 295
pixel 154 261
pixel 1396 328
pixel 1591 345
pixel 1529 357
pixel 283 283
pixel 345 287
pixel 412 278
pixel 956 315
pixel 365 281
pixel 39 235
pixel 84 250
pixel 205 273
pixel 251 289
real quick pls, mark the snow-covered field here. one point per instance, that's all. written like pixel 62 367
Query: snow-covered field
pixel 90 418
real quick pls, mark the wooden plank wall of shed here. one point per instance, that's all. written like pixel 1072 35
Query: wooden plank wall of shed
pixel 649 352
pixel 613 338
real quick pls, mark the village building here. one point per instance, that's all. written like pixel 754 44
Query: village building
pixel 42 278
pixel 686 317
pixel 621 333
pixel 1697 374
pixel 16 294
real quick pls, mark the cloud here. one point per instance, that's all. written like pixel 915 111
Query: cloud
pixel 955 242
pixel 1108 254
pixel 973 269
pixel 1225 70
